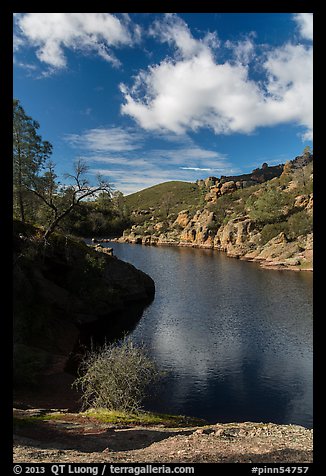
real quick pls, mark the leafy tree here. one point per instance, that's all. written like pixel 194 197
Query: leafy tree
pixel 119 203
pixel 30 153
pixel 104 202
pixel 37 192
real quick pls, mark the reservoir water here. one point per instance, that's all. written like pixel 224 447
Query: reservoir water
pixel 235 340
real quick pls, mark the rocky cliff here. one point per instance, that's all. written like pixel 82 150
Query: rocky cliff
pixel 268 222
pixel 65 291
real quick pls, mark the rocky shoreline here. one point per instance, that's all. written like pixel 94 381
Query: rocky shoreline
pixel 237 241
pixel 264 217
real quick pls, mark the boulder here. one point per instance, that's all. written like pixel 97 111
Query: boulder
pixel 182 219
pixel 213 193
pixel 301 201
pixel 210 181
pixel 310 204
pixel 159 226
pixel 102 249
pixel 228 187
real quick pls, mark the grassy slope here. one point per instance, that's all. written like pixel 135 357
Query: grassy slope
pixel 181 195
pixel 112 417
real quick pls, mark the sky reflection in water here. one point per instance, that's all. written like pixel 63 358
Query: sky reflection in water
pixel 234 339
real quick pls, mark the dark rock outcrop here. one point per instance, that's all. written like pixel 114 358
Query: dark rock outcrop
pixel 65 292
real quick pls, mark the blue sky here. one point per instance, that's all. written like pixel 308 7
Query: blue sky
pixel 148 98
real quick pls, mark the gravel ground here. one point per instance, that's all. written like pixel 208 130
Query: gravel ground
pixel 71 438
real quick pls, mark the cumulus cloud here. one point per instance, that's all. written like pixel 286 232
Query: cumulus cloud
pixel 243 50
pixel 174 31
pixel 194 93
pixel 290 85
pixel 52 33
pixel 193 90
pixel 305 24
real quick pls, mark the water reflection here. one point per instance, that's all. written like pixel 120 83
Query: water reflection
pixel 236 340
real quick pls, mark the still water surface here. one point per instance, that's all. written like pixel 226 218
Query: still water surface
pixel 234 339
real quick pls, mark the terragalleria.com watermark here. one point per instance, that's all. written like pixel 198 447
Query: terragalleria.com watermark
pixel 62 469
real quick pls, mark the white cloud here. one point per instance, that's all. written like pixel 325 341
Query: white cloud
pixel 291 86
pixel 113 139
pixel 243 50
pixel 131 163
pixel 52 33
pixel 199 169
pixel 174 31
pixel 18 42
pixel 131 180
pixel 305 24
pixel 117 162
pixel 194 91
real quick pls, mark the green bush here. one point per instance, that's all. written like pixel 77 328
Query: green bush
pixel 116 377
pixel 221 207
pixel 269 206
pixel 299 223
pixel 271 230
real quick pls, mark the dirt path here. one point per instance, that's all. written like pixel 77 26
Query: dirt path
pixel 73 438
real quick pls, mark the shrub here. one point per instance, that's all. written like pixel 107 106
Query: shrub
pixel 271 230
pixel 116 377
pixel 221 207
pixel 299 223
pixel 269 206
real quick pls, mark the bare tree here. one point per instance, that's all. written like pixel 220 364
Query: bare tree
pixel 62 200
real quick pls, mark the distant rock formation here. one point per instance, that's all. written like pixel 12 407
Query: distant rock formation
pixel 238 234
pixel 216 187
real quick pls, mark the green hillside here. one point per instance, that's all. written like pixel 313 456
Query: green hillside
pixel 268 220
pixel 169 196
